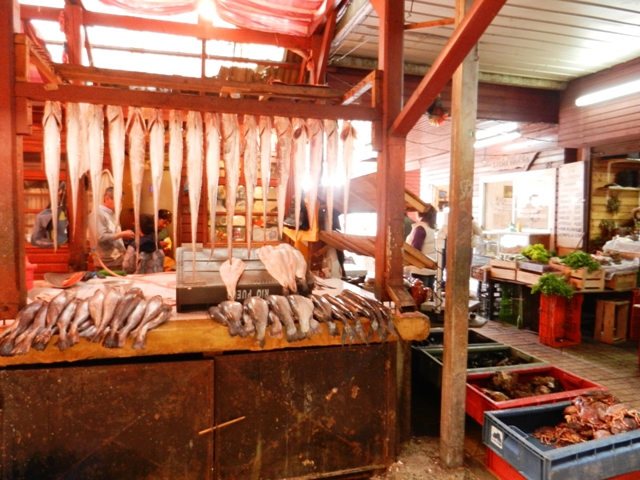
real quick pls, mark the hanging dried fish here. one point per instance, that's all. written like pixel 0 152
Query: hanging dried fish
pixel 74 152
pixel 115 118
pixel 156 157
pixel 231 153
pixel 96 153
pixel 85 109
pixel 348 136
pixel 212 132
pixel 284 134
pixel 136 129
pixel 52 121
pixel 250 172
pixel 315 164
pixel 300 135
pixel 176 157
pixel 195 154
pixel 331 127
pixel 264 130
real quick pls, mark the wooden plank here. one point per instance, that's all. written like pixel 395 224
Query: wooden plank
pixel 432 23
pixel 401 298
pixel 362 87
pixel 180 83
pixel 116 96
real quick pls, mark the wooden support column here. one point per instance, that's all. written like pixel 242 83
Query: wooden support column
pixel 12 243
pixel 454 372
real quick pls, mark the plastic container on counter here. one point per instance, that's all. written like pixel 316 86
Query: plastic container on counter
pixel 436 338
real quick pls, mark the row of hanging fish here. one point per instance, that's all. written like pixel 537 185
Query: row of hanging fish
pixel 300 317
pixel 205 140
pixel 109 317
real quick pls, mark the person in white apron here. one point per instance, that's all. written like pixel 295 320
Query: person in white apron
pixel 108 241
pixel 423 238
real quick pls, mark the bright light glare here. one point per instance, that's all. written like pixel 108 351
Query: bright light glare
pixel 609 93
pixel 496 130
pixel 207 10
pixel 523 145
pixel 497 139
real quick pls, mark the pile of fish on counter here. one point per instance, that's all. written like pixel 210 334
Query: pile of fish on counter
pixel 300 317
pixel 109 317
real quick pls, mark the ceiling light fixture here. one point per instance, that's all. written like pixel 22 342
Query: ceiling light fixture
pixel 608 93
pixel 496 140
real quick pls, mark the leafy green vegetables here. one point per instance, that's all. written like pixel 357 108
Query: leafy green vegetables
pixel 579 259
pixel 537 253
pixel 550 284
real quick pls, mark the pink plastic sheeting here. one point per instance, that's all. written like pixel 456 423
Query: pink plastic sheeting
pixel 154 7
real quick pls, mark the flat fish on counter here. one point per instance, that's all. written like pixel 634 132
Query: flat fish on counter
pixel 302 308
pixel 284 134
pixel 316 137
pixel 63 322
pixel 25 318
pixel 140 338
pixel 156 157
pixel 281 307
pixel 126 307
pixel 231 155
pixel 131 322
pixel 74 152
pixel 331 129
pixel 56 307
pixel 176 157
pixel 212 161
pixel 348 136
pixel 265 130
pixel 52 122
pixel 111 301
pixel 137 130
pixel 25 339
pixel 250 172
pixel 195 153
pixel 117 137
pixel 231 271
pixel 81 316
pixel 300 135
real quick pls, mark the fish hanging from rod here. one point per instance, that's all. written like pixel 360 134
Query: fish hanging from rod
pixel 195 156
pixel 52 122
pixel 85 161
pixel 136 129
pixel 231 154
pixel 115 119
pixel 176 157
pixel 300 135
pixel 264 131
pixel 212 133
pixel 331 128
pixel 74 155
pixel 348 136
pixel 284 134
pixel 316 134
pixel 156 157
pixel 250 172
pixel 96 155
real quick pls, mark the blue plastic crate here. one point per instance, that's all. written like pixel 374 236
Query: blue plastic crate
pixel 508 434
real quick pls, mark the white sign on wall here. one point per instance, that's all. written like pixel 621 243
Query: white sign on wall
pixel 570 218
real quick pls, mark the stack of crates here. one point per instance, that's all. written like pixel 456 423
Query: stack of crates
pixel 489 297
pixel 560 320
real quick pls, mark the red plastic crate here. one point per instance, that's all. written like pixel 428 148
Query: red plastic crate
pixel 560 320
pixel 504 471
pixel 477 402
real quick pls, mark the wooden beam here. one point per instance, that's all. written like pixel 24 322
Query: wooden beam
pixel 12 242
pixel 208 85
pixel 456 327
pixel 239 35
pixel 73 31
pixel 465 36
pixel 206 103
pixel 362 87
pixel 432 23
pixel 321 56
pixel 43 66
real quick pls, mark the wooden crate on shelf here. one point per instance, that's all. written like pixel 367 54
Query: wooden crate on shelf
pixel 622 281
pixel 582 280
pixel 531 278
pixel 507 265
pixel 503 273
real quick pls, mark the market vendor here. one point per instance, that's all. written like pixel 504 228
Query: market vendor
pixel 43 225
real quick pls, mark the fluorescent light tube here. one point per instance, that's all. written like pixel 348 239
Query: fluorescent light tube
pixel 609 93
pixel 496 130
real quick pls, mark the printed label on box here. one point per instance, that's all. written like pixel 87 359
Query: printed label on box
pixel 496 437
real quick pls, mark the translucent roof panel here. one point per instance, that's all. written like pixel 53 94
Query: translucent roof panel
pixel 99 7
pixel 147 62
pixel 44 3
pixel 118 37
pixel 48 31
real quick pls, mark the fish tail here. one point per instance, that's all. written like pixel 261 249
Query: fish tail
pixel 110 340
pixel 22 347
pixel 42 340
pixel 122 338
pixel 7 347
pixel 74 336
pixel 140 341
pixel 292 337
pixel 63 343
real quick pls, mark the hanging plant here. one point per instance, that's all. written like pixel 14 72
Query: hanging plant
pixel 607 227
pixel 613 204
pixel 436 113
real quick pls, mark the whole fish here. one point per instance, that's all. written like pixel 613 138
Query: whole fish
pixel 316 136
pixel 231 155
pixel 231 271
pixel 258 309
pixel 212 132
pixel 284 134
pixel 52 122
pixel 194 174
pixel 115 119
pixel 96 154
pixel 24 340
pixel 111 302
pixel 176 157
pixel 96 303
pixel 331 129
pixel 264 131
pixel 136 130
pixel 74 152
pixel 24 319
pixel 81 316
pixel 232 311
pixel 63 322
pixel 322 313
pixel 125 306
pixel 250 172
pixel 89 332
pixel 131 322
pixel 216 315
pixel 300 135
pixel 156 157
pixel 56 307
pixel 348 136
pixel 281 307
pixel 280 264
pixel 248 327
pixel 140 339
pixel 302 308
pixel 84 138
pixel 351 314
pixel 275 331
